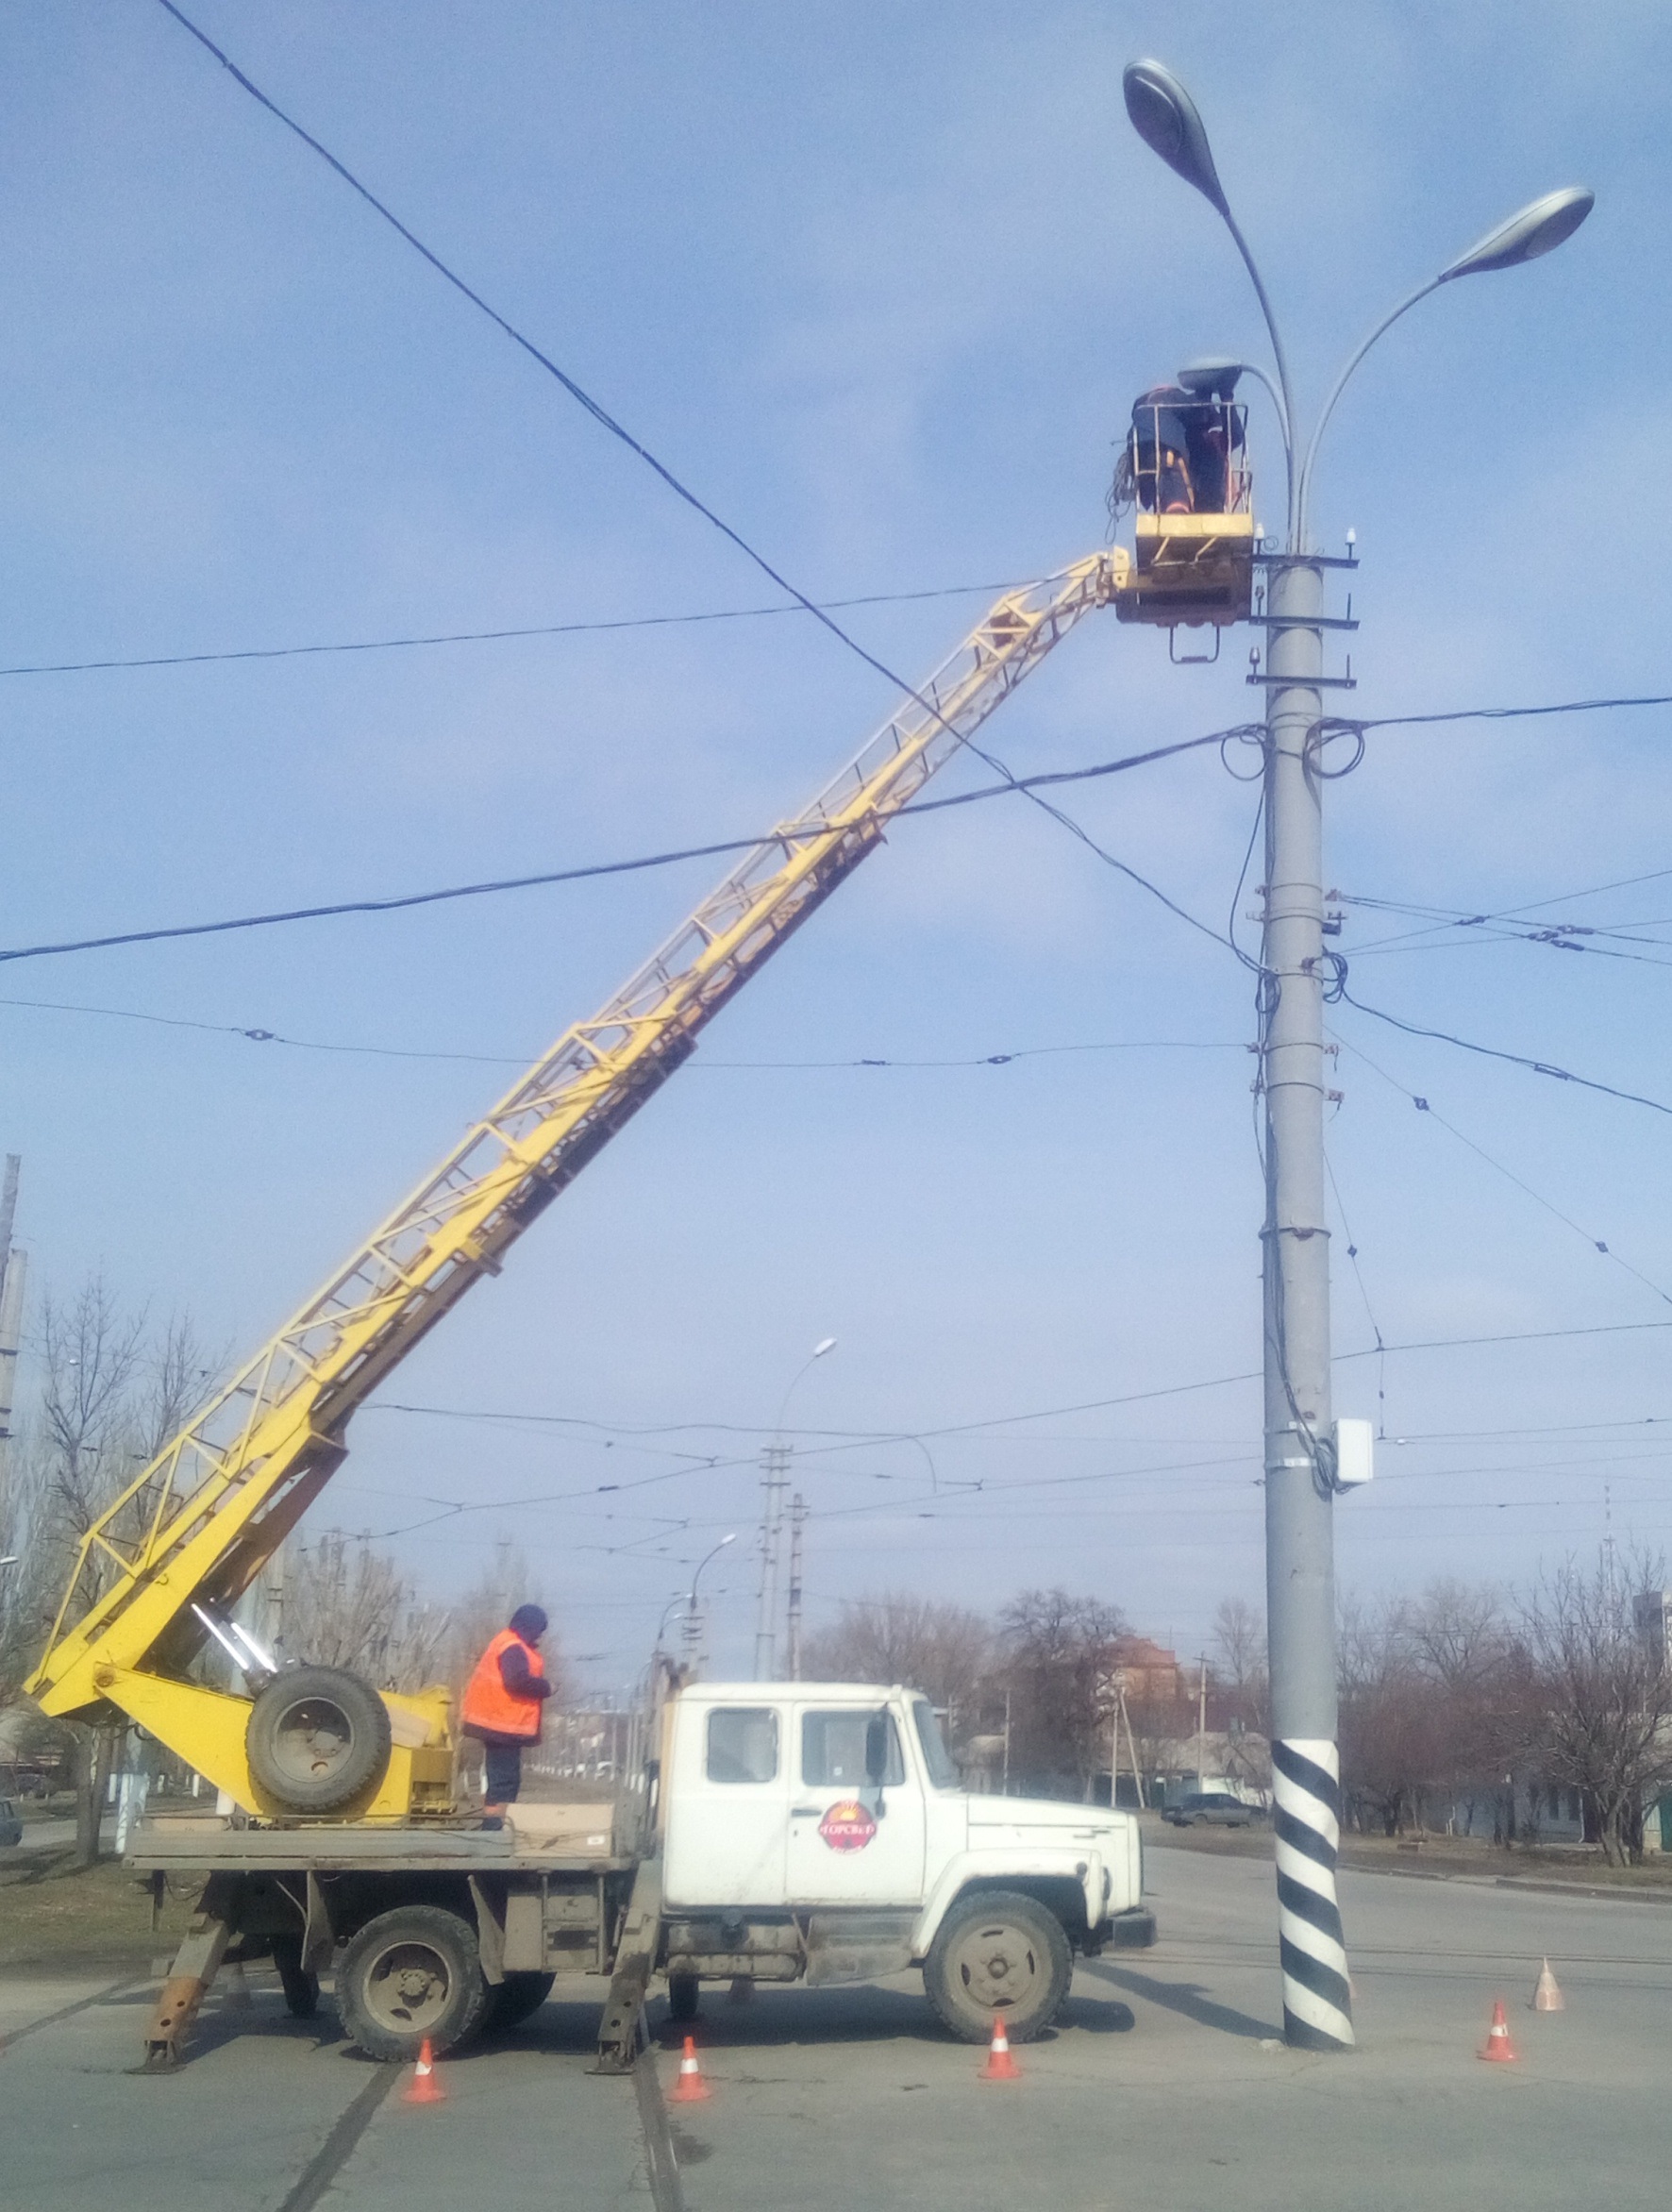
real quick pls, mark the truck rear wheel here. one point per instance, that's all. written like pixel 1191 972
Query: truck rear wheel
pixel 518 1998
pixel 318 1737
pixel 998 1954
pixel 409 1974
pixel 684 1996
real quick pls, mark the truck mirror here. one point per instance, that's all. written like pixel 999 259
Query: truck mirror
pixel 876 1749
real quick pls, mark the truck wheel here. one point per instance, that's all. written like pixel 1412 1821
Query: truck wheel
pixel 301 1990
pixel 318 1738
pixel 684 1994
pixel 518 1998
pixel 409 1974
pixel 998 1953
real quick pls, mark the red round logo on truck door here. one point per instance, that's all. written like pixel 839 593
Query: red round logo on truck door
pixel 847 1826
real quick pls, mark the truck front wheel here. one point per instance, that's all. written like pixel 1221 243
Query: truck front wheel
pixel 998 1954
pixel 411 1974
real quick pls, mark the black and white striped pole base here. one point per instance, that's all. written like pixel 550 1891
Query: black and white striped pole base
pixel 1318 1997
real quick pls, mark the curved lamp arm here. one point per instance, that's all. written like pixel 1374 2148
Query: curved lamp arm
pixel 1537 230
pixel 1254 370
pixel 1166 119
pixel 1282 392
pixel 1297 511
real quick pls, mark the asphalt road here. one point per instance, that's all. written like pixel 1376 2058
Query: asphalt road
pixel 1162 2088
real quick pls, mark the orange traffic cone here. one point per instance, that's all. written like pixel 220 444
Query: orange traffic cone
pixel 1547 1997
pixel 425 2089
pixel 1000 2066
pixel 690 2088
pixel 1498 2046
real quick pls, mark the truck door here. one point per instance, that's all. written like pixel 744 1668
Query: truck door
pixel 856 1810
pixel 728 1808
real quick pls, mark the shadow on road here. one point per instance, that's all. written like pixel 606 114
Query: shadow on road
pixel 1187 1998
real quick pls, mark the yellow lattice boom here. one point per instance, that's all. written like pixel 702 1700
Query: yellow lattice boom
pixel 199 1522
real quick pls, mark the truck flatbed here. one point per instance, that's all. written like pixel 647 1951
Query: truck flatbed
pixel 219 1847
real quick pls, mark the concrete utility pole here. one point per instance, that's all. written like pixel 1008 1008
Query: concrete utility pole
pixel 13 1270
pixel 798 1522
pixel 775 1481
pixel 1300 1446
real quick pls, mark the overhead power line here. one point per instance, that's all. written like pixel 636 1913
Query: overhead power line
pixel 618 430
pixel 256 1034
pixel 477 637
pixel 1563 1075
pixel 657 859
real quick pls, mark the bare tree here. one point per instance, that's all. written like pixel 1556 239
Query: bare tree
pixel 105 1390
pixel 1602 1704
pixel 1238 1652
pixel 940 1650
pixel 1390 1745
pixel 346 1605
pixel 1059 1662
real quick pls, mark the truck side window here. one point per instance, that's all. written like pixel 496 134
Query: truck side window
pixel 942 1767
pixel 833 1751
pixel 743 1744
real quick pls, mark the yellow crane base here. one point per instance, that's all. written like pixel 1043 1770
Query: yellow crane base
pixel 207 1728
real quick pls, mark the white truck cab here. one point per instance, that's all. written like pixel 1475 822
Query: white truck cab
pixel 818 1831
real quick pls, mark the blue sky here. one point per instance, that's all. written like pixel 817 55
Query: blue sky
pixel 880 284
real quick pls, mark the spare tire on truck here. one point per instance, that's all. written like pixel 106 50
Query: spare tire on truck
pixel 318 1738
pixel 412 1974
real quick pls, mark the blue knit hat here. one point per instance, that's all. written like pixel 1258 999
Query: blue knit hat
pixel 529 1622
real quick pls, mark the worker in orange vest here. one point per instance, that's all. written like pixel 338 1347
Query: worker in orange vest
pixel 502 1710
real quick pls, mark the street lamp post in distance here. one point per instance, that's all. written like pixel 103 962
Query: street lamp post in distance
pixel 1299 1449
pixel 691 1631
pixel 775 1481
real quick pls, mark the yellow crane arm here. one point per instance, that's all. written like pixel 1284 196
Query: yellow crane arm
pixel 196 1526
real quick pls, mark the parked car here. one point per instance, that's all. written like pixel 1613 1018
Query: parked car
pixel 11 1828
pixel 1213 1808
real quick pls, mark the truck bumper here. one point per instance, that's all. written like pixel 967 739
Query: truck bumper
pixel 1133 1930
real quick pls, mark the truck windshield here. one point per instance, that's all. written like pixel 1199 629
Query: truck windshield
pixel 942 1773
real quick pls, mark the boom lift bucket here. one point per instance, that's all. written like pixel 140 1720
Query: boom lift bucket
pixel 1186 467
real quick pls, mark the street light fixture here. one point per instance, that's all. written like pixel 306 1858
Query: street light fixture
pixel 1299 1456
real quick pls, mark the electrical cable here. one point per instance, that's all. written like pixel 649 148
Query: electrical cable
pixel 474 637
pixel 1354 725
pixel 1339 994
pixel 1424 1106
pixel 601 415
pixel 617 429
pixel 265 1036
pixel 660 860
pixel 1352 1253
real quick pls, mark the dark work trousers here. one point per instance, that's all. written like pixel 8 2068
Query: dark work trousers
pixel 502 1773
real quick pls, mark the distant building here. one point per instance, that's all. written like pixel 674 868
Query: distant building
pixel 1148 1673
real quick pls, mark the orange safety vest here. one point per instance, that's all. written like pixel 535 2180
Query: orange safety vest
pixel 489 1704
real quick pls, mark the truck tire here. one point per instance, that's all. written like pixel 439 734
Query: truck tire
pixel 684 1995
pixel 518 1998
pixel 409 1974
pixel 301 1989
pixel 318 1738
pixel 998 1954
